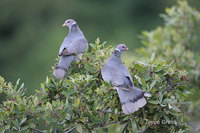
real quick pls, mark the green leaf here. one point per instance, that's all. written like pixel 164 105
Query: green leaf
pixel 152 84
pixel 79 128
pixel 155 117
pixel 23 120
pixel 7 126
pixel 17 83
pixel 140 68
pixel 36 101
pixel 2 130
pixel 143 82
pixel 69 92
pixel 92 45
pixel 166 101
pixel 182 94
pixel 166 117
pixel 152 101
pixel 97 41
pixel 106 118
pixel 83 119
pixel 66 103
pixel 183 87
pixel 48 106
pixel 16 110
pixel 152 57
pixel 160 97
pixel 173 112
pixel 77 102
pixel 16 124
pixel 24 128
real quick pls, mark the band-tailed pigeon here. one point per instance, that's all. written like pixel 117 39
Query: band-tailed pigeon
pixel 74 43
pixel 116 73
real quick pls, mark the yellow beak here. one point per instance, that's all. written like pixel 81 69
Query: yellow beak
pixel 64 25
pixel 127 49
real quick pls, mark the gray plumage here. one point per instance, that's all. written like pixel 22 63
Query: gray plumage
pixel 74 44
pixel 116 73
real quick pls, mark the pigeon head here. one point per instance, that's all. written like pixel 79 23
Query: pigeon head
pixel 69 23
pixel 119 49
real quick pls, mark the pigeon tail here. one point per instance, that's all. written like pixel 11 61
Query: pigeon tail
pixel 132 100
pixel 62 66
pixel 59 73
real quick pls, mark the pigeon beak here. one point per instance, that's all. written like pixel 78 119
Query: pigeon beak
pixel 127 49
pixel 64 25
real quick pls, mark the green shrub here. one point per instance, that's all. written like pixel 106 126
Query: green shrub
pixel 83 102
pixel 177 40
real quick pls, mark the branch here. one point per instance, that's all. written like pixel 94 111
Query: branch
pixel 146 130
pixel 68 131
pixel 37 130
pixel 150 71
pixel 103 110
pixel 124 128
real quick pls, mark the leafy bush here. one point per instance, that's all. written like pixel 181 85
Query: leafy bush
pixel 177 40
pixel 83 102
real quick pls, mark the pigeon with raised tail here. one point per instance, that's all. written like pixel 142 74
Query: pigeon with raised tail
pixel 116 73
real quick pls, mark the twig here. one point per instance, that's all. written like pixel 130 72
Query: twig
pixel 113 122
pixel 168 89
pixel 69 72
pixel 103 110
pixel 100 100
pixel 68 131
pixel 37 130
pixel 124 128
pixel 54 114
pixel 146 130
pixel 150 71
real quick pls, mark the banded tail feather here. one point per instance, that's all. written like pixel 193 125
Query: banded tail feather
pixel 131 100
pixel 62 66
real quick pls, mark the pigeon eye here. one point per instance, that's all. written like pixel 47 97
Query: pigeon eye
pixel 68 21
pixel 122 46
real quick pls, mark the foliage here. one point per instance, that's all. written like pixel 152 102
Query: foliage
pixel 177 40
pixel 83 102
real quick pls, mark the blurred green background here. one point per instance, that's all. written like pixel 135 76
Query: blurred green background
pixel 31 31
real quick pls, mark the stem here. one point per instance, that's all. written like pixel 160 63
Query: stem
pixel 146 130
pixel 68 131
pixel 37 130
pixel 150 71
pixel 123 131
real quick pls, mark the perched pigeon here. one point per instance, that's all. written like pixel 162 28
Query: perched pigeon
pixel 115 73
pixel 74 43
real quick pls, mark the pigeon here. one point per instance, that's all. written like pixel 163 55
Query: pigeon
pixel 74 44
pixel 116 73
